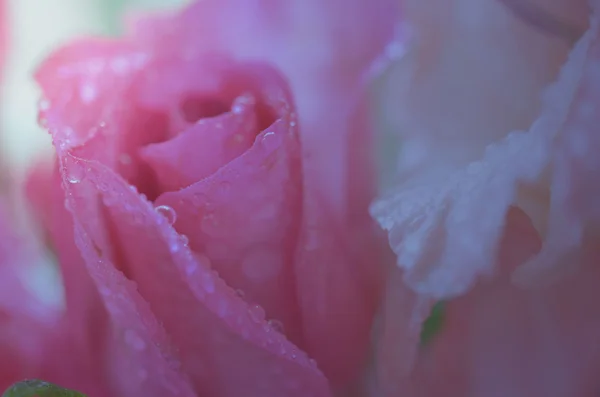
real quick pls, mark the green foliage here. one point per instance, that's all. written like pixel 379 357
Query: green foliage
pixel 433 324
pixel 39 388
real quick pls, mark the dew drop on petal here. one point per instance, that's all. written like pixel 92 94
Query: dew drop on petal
pixel 168 212
pixel 270 140
pixel 257 313
pixel 276 325
pixel 74 171
pixel 240 293
pixel 184 239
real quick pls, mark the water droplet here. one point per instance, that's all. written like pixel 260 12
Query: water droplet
pixel 276 325
pixel 74 171
pixel 184 239
pixel 292 123
pixel 257 313
pixel 240 293
pixel 168 212
pixel 312 362
pixel 134 340
pixel 270 140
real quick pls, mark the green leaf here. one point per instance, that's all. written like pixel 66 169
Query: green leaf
pixel 39 388
pixel 433 324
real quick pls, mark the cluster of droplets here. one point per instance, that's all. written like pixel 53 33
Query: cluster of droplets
pixel 256 312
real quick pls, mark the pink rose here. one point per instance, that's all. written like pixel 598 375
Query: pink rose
pixel 216 172
pixel 495 207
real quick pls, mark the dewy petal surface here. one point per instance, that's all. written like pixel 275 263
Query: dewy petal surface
pixel 117 346
pixel 225 345
pixel 326 49
pixel 251 251
pixel 336 45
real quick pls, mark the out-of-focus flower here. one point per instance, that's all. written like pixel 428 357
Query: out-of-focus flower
pixel 495 206
pixel 216 171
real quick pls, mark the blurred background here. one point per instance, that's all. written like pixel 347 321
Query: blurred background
pixel 37 27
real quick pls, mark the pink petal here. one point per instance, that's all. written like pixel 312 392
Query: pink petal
pixel 111 338
pixel 474 73
pixel 245 220
pixel 337 270
pixel 203 148
pixel 502 339
pixel 225 345
pixel 445 226
pixel 335 44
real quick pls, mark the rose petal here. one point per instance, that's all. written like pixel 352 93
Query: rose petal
pixel 193 84
pixel 327 71
pixel 473 74
pixel 335 46
pixel 225 338
pixel 445 227
pixel 502 339
pixel 111 338
pixel 220 338
pixel 251 242
pixel 203 148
